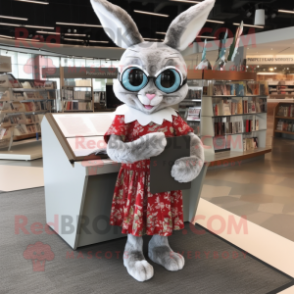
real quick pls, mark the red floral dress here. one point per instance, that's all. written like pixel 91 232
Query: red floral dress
pixel 133 207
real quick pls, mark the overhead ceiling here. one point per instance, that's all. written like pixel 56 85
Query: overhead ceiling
pixel 80 11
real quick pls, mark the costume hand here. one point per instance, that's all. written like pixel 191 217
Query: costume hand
pixel 186 169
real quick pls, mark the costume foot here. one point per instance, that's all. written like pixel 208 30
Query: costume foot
pixel 134 260
pixel 160 252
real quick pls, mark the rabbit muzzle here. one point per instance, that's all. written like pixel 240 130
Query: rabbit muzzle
pixel 149 101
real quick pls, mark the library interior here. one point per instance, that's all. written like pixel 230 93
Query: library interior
pixel 147 141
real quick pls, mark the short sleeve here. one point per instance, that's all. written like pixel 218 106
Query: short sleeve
pixel 118 127
pixel 181 127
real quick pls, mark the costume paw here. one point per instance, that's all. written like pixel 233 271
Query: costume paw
pixel 153 144
pixel 164 256
pixel 137 266
pixel 186 169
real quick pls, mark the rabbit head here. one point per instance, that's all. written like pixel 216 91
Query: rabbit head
pixel 152 75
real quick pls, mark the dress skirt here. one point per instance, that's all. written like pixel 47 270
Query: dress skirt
pixel 138 211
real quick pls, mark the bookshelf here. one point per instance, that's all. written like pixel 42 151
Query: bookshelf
pixel 190 108
pixel 242 130
pixel 77 99
pixel 235 123
pixel 284 120
pixel 22 108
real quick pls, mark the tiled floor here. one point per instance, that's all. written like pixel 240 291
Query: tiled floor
pixel 261 190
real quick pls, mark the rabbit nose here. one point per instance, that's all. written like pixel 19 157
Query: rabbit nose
pixel 150 96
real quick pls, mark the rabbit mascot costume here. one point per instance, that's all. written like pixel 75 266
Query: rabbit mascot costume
pixel 152 77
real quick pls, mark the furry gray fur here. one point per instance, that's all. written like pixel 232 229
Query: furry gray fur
pixel 188 168
pixel 152 58
pixel 147 146
pixel 134 260
pixel 117 23
pixel 160 252
pixel 186 26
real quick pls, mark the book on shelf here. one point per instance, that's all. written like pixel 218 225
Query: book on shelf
pixel 240 88
pixel 9 81
pixel 286 111
pixel 228 125
pixel 194 113
pixel 285 126
pixel 228 107
pixel 77 106
pixel 195 125
pixel 251 125
pixel 5 136
pixel 250 143
pixel 26 129
pixel 5 133
pixel 194 94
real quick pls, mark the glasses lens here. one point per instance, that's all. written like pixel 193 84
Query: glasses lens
pixel 168 81
pixel 134 79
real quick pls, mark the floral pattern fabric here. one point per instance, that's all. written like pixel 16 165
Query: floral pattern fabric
pixel 134 208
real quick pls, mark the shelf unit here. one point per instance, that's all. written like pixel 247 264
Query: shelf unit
pixel 21 110
pixel 207 79
pixel 190 106
pixel 232 131
pixel 284 120
pixel 77 99
pixel 281 89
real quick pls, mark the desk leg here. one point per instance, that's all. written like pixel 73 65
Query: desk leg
pixel 195 192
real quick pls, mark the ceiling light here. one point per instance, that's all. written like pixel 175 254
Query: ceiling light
pixel 160 33
pixel 33 40
pixel 248 25
pixel 9 24
pixel 24 26
pixel 93 41
pixel 151 13
pixel 74 40
pixel 7 37
pixel 47 33
pixel 258 66
pixel 286 11
pixel 185 1
pixel 259 18
pixel 33 1
pixel 76 35
pixel 206 37
pixel 12 17
pixel 215 21
pixel 271 69
pixel 78 24
pixel 152 39
pixel 37 27
pixel 267 73
pixel 272 49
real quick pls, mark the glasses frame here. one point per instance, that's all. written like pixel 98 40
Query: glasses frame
pixel 153 78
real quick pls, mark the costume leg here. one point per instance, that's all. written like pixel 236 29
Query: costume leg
pixel 160 252
pixel 134 259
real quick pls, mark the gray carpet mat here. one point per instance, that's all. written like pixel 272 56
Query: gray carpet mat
pixel 212 264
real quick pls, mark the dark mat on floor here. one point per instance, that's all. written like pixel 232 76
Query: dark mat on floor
pixel 212 265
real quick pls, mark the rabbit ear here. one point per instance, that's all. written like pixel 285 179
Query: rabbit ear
pixel 185 27
pixel 118 25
